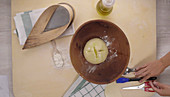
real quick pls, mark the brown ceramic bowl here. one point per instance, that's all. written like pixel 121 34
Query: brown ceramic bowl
pixel 118 46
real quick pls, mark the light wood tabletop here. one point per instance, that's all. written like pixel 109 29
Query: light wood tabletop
pixel 163 39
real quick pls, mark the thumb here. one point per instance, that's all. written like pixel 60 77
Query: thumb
pixel 160 85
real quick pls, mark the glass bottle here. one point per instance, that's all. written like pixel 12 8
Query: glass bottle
pixel 104 7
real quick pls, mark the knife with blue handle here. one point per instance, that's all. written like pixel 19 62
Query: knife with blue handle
pixel 124 80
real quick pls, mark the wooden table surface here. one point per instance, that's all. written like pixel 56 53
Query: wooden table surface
pixel 163 38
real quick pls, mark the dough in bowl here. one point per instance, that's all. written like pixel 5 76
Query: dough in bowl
pixel 95 51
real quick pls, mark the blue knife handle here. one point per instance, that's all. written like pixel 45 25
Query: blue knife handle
pixel 122 80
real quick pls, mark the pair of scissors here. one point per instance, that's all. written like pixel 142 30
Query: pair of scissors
pixel 145 86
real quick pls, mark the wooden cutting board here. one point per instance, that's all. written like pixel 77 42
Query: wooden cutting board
pixel 34 74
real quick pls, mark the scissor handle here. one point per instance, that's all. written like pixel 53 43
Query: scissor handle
pixel 147 84
pixel 148 89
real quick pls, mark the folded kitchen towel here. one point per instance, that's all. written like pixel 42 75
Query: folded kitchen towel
pixel 83 88
pixel 25 21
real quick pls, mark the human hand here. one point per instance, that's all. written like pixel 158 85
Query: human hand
pixel 161 89
pixel 149 70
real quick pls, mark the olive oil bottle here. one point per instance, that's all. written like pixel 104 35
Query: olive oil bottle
pixel 104 7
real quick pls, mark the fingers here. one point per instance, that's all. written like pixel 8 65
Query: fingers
pixel 145 78
pixel 154 88
pixel 162 86
pixel 141 73
pixel 138 68
pixel 158 87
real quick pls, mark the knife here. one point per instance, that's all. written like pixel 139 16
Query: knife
pixel 123 79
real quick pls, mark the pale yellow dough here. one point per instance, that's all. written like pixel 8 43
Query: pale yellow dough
pixel 95 51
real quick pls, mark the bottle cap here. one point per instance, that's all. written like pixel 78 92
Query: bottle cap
pixel 108 3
